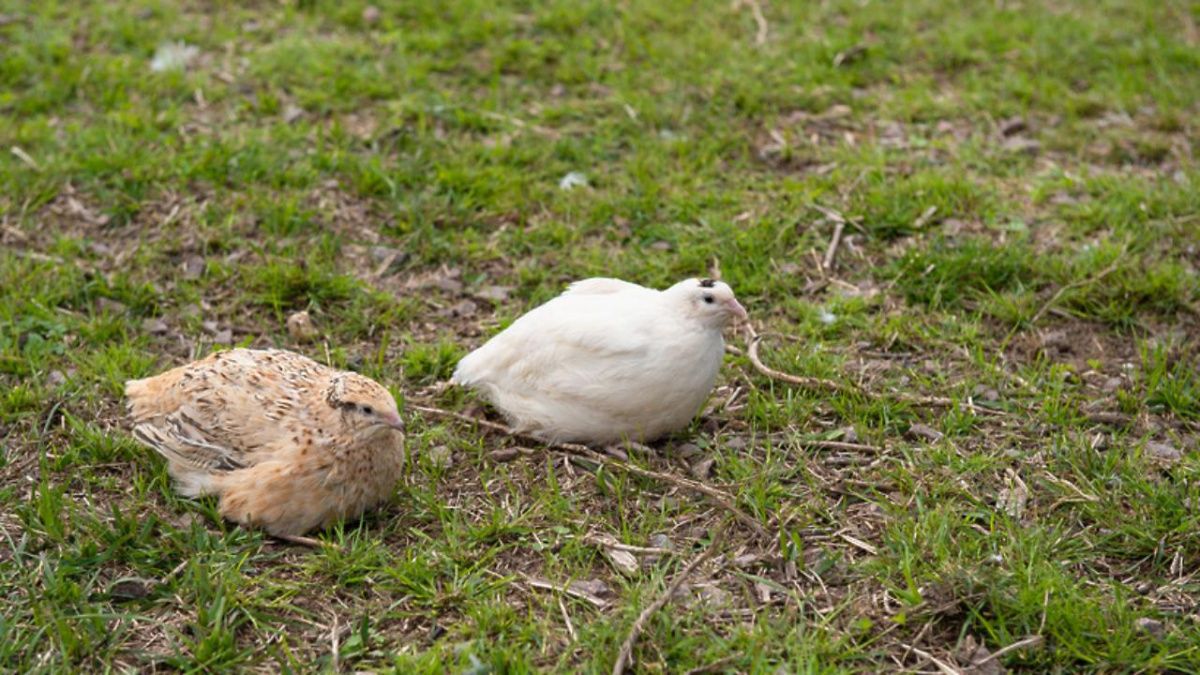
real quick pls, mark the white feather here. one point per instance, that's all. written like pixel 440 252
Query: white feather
pixel 606 360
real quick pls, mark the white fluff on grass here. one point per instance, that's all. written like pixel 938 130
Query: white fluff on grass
pixel 173 56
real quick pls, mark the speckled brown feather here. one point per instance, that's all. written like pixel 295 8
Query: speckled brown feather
pixel 282 439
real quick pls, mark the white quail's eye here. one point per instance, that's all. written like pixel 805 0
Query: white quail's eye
pixel 708 299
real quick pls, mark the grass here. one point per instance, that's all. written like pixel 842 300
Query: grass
pixel 1020 183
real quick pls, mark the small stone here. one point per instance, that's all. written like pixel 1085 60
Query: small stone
pixel 688 450
pixel 441 456
pixel 1112 384
pixel 155 326
pixel 110 306
pixel 711 595
pixel 503 455
pixel 1021 145
pixel 924 433
pixel 223 337
pixel 129 589
pixel 292 113
pixel 982 392
pixel 848 434
pixel 1152 627
pixel 55 378
pixel 700 470
pixel 660 540
pixel 300 327
pixel 623 561
pixel 449 284
pixel 371 15
pixel 193 267
pixel 1163 451
pixel 616 452
pixel 460 309
pixel 745 560
pixel 736 443
pixel 1013 126
pixel 390 260
pixel 1012 500
pixel 494 293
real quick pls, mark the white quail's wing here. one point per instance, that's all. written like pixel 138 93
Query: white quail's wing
pixel 605 285
pixel 567 345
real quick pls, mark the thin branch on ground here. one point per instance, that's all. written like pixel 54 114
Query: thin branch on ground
pixel 625 655
pixel 840 445
pixel 760 37
pixel 802 381
pixel 1027 642
pixel 831 250
pixel 304 541
pixel 946 668
pixel 562 606
pixel 721 498
pixel 822 384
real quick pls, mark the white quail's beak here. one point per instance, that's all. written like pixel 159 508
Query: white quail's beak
pixel 394 421
pixel 735 308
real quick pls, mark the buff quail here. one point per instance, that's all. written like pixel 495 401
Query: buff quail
pixel 287 444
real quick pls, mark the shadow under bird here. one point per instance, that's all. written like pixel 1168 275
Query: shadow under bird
pixel 607 360
pixel 288 445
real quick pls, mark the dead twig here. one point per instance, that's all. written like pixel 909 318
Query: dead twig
pixel 567 620
pixel 626 652
pixel 841 445
pixel 598 603
pixel 831 251
pixel 946 668
pixel 1027 642
pixel 714 667
pixel 304 541
pixel 807 382
pixel 760 37
pixel 721 498
pixel 819 384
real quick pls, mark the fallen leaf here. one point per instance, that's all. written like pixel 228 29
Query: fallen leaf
pixel 503 455
pixel 193 267
pixel 1162 451
pixel 441 456
pixel 623 561
pixel 129 589
pixel 701 469
pixel 924 432
pixel 155 326
pixel 300 327
pixel 572 180
pixel 494 293
pixel 595 587
pixel 1152 627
